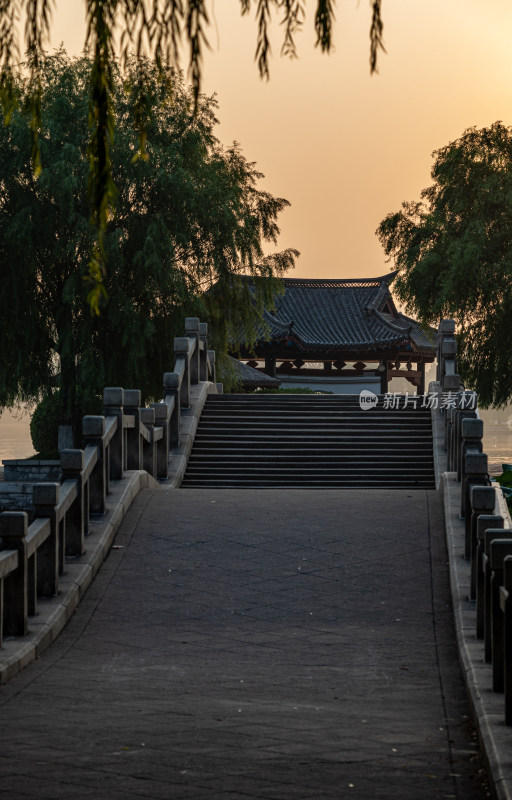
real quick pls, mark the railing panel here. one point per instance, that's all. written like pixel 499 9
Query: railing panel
pixel 94 436
pixel 50 562
pixel 113 404
pixel 147 422
pixel 77 516
pixel 172 395
pixel 8 564
pixel 13 530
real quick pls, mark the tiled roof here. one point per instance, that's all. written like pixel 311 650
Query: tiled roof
pixel 342 314
pixel 252 379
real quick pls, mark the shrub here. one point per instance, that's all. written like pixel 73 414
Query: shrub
pixel 44 425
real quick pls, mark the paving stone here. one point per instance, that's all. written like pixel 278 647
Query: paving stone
pixel 254 645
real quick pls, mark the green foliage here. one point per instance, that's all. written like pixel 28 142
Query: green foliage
pixel 48 415
pixel 453 251
pixel 44 424
pixel 189 216
pixel 505 481
pixel 159 28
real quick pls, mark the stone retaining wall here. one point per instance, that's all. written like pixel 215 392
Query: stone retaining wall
pixel 32 470
pixel 16 496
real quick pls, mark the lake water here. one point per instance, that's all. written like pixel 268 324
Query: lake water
pixel 15 439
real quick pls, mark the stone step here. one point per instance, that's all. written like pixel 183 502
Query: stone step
pixel 295 441
pixel 313 455
pixel 328 437
pixel 308 483
pixel 316 427
pixel 361 472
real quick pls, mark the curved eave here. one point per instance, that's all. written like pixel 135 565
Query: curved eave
pixel 329 347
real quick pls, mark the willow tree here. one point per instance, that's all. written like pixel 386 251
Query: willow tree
pixel 189 216
pixel 160 29
pixel 453 251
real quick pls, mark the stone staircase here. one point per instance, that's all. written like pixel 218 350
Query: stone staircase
pixel 310 441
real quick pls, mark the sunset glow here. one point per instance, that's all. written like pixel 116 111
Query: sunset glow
pixel 343 147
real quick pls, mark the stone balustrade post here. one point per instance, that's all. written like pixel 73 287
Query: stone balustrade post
pixel 147 418
pixel 133 448
pixel 51 555
pixel 507 638
pixel 172 389
pixel 491 523
pixel 192 332
pixel 211 359
pixel 475 473
pixel 77 519
pixel 93 429
pixel 113 406
pixel 13 531
pixel 181 351
pixel 162 446
pixel 460 416
pixel 482 501
pixel 472 431
pixel 203 353
pixel 490 536
pixel 500 549
pixel 447 357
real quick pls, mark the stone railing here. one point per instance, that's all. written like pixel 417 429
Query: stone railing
pixel 447 376
pixel 487 539
pixel 126 437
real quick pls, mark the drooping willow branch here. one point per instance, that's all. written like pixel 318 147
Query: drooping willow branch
pixel 160 29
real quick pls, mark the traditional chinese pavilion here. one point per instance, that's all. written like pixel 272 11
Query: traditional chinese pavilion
pixel 343 334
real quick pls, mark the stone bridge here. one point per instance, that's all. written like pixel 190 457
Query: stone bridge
pixel 290 642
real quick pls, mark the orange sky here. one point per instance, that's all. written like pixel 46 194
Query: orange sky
pixel 343 147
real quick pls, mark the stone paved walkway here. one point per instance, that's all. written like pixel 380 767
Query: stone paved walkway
pixel 253 645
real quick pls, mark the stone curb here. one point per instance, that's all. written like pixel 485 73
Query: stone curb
pixel 54 612
pixel 488 706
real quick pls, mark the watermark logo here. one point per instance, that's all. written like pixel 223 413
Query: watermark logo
pixel 395 400
pixel 367 399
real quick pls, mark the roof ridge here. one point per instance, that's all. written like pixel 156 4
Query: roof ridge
pixel 340 282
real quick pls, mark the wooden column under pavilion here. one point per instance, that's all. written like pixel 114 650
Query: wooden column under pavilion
pixel 342 330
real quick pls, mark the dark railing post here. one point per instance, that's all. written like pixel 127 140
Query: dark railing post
pixel 147 418
pixel 482 501
pixel 474 474
pixel 133 451
pixel 500 548
pixel 13 531
pixel 203 355
pixel 45 497
pixel 93 433
pixel 162 446
pixel 192 332
pixel 172 389
pixel 507 637
pixel 484 523
pixel 490 536
pixel 471 432
pixel 77 519
pixel 113 403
